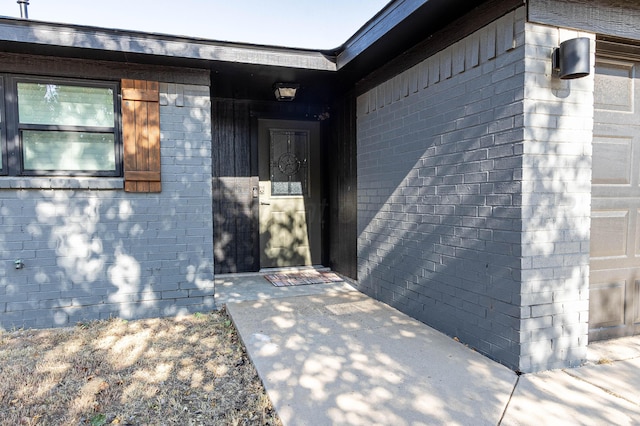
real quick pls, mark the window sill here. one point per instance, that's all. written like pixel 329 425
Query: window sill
pixel 61 182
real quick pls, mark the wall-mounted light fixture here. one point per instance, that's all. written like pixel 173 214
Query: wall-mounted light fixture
pixel 572 58
pixel 285 91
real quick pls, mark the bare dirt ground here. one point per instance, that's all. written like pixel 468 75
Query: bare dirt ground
pixel 171 371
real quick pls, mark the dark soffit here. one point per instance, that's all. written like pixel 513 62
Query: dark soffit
pixel 241 70
pixel 395 29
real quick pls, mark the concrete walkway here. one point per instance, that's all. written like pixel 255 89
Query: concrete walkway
pixel 329 355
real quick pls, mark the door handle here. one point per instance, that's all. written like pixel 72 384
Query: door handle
pixel 262 203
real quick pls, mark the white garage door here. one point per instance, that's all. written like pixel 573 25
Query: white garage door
pixel 614 308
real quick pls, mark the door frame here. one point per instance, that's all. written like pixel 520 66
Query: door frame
pixel 317 175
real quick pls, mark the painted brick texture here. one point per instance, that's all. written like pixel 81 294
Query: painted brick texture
pixel 92 251
pixel 474 172
pixel 556 207
pixel 439 189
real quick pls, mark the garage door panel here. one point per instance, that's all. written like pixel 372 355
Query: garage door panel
pixel 614 160
pixel 609 230
pixel 605 300
pixel 614 289
pixel 636 247
pixel 635 302
pixel 616 196
pixel 614 86
pixel 611 263
pixel 615 130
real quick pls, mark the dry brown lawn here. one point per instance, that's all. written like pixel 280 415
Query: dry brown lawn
pixel 191 370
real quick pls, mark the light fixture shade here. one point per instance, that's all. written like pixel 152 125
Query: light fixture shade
pixel 285 91
pixel 573 58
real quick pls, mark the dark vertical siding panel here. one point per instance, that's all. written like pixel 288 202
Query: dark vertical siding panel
pixel 215 140
pixel 230 160
pixel 342 179
pixel 236 226
pixel 235 219
pixel 224 248
pixel 226 138
pixel 245 222
pixel 242 134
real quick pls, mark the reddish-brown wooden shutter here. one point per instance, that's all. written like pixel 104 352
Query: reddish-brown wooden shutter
pixel 141 135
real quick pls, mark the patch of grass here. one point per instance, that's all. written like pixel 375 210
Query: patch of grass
pixel 188 370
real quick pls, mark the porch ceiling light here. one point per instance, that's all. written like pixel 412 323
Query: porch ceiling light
pixel 572 58
pixel 285 91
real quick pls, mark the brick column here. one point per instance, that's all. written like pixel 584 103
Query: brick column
pixel 556 199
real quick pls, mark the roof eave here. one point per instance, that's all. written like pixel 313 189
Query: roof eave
pixel 396 28
pixel 376 28
pixel 30 32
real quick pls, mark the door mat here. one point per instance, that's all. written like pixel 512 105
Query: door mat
pixel 302 278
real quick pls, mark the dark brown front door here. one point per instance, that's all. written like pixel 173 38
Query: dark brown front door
pixel 614 292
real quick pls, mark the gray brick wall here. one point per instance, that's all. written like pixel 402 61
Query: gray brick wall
pixel 439 189
pixel 474 174
pixel 92 251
